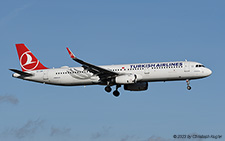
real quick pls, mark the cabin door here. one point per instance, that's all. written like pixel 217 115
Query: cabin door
pixel 45 76
pixel 186 66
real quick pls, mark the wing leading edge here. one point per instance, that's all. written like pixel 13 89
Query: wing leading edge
pixel 99 71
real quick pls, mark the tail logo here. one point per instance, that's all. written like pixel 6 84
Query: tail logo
pixel 28 61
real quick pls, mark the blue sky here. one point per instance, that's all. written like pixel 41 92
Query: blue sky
pixel 112 32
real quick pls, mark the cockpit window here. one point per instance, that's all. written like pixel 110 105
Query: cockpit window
pixel 198 66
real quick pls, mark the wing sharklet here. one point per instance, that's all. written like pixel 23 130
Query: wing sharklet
pixel 71 53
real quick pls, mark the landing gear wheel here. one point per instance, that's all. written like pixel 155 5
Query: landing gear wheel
pixel 189 87
pixel 108 89
pixel 116 93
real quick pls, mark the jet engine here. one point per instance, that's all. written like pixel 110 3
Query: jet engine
pixel 140 86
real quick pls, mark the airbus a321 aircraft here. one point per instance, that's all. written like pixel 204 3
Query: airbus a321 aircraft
pixel 134 77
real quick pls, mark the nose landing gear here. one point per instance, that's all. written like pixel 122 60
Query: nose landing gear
pixel 188 84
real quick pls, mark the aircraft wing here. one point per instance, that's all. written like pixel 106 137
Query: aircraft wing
pixel 99 71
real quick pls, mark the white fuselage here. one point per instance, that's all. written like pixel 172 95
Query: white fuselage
pixel 145 72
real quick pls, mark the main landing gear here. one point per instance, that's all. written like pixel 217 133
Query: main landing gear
pixel 188 84
pixel 116 93
pixel 108 89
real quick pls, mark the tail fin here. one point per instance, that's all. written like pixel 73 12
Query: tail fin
pixel 27 60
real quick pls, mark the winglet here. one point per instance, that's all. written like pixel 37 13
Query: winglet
pixel 70 53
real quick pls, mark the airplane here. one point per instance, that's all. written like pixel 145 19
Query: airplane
pixel 134 77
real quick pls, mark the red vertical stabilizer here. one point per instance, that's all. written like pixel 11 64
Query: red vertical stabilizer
pixel 28 61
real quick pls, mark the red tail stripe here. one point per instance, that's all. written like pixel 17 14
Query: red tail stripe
pixel 27 60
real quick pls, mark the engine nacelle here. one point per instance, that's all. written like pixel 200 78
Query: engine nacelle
pixel 140 86
pixel 126 79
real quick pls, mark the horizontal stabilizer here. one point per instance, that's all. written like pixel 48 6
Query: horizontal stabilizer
pixel 24 74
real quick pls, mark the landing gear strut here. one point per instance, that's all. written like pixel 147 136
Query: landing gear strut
pixel 188 84
pixel 116 93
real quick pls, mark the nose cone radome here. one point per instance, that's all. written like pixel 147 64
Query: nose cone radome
pixel 208 72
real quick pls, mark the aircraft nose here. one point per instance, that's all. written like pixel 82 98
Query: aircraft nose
pixel 208 72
